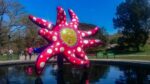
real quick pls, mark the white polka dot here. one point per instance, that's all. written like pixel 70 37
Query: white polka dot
pixel 69 52
pixel 57 43
pixel 49 26
pixel 62 49
pixel 49 51
pixel 56 49
pixel 75 26
pixel 92 42
pixel 76 17
pixel 73 55
pixel 54 38
pixel 71 10
pixel 78 31
pixel 55 33
pixel 41 31
pixel 43 20
pixel 42 64
pixel 85 41
pixel 64 13
pixel 81 62
pixel 66 24
pixel 83 34
pixel 46 30
pixel 59 25
pixel 62 21
pixel 97 41
pixel 86 57
pixel 82 55
pixel 79 49
pixel 74 20
pixel 41 56
pixel 71 23
pixel 89 32
pixel 96 28
pixel 50 32
pixel 34 18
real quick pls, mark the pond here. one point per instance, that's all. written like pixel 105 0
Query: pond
pixel 96 74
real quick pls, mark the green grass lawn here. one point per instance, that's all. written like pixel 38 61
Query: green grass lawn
pixel 134 57
pixel 144 54
pixel 127 57
pixel 122 57
pixel 6 57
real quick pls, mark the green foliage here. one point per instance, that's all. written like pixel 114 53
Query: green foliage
pixel 132 19
pixel 10 14
pixel 103 35
pixel 113 39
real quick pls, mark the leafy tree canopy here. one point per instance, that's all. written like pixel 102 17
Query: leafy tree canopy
pixel 133 21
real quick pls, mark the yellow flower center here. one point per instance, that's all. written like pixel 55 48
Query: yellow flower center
pixel 69 36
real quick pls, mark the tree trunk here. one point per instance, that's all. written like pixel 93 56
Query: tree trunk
pixel 137 48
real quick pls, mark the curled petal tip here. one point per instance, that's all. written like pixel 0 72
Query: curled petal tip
pixel 74 18
pixel 31 17
pixel 59 7
pixel 70 10
pixel 61 15
pixel 96 28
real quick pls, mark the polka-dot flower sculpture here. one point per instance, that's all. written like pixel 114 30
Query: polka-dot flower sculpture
pixel 64 38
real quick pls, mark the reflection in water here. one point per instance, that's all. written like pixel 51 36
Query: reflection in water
pixel 69 75
pixel 38 80
pixel 29 70
pixel 96 74
pixel 134 75
pixel 85 78
pixel 60 78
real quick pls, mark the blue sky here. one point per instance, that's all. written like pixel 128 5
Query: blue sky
pixel 97 12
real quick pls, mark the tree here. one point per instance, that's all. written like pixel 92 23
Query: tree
pixel 31 39
pixel 10 14
pixel 133 20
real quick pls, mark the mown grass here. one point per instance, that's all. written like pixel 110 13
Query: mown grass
pixel 134 57
pixel 144 54
pixel 122 57
pixel 8 57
